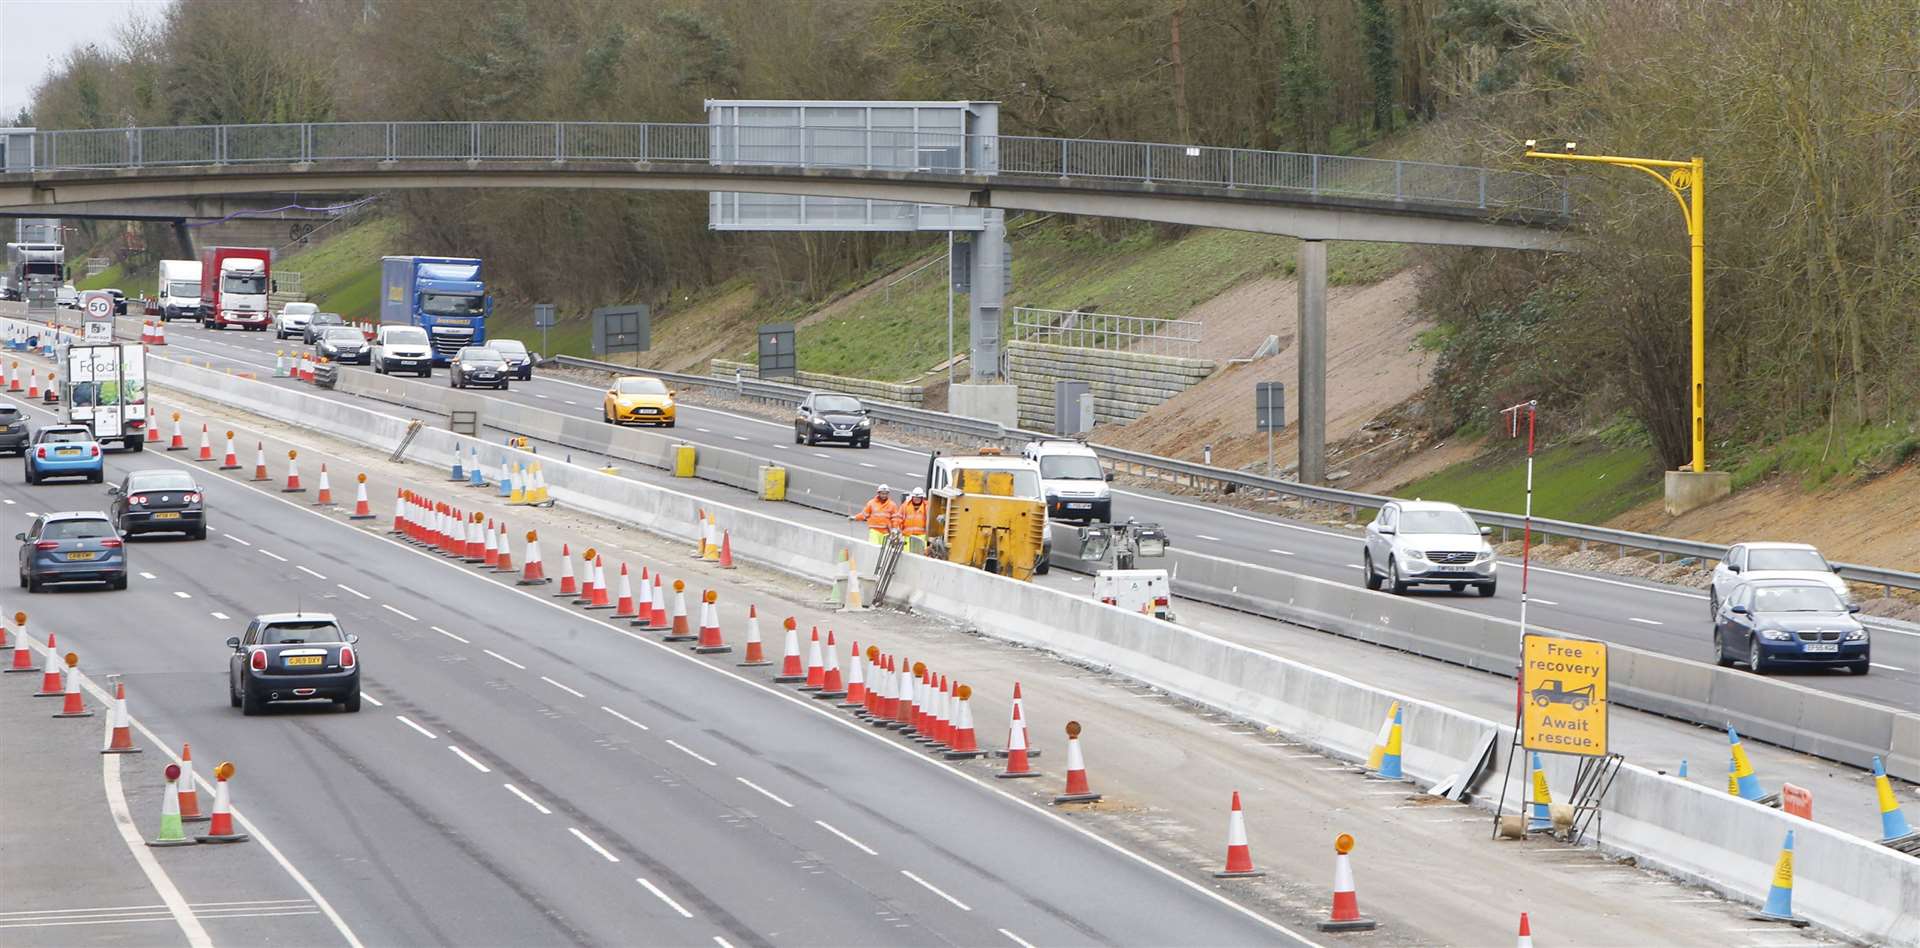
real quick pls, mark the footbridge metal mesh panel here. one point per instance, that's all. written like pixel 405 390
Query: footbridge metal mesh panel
pixel 1107 332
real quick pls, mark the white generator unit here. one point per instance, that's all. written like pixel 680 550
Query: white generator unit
pixel 1136 590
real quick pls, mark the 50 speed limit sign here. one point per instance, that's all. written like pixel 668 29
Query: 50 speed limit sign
pixel 100 307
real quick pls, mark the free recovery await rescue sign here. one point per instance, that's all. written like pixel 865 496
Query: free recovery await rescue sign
pixel 1563 695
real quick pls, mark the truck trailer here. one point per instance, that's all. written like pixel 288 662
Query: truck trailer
pixel 445 296
pixel 234 282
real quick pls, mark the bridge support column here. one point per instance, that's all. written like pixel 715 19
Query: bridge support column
pixel 987 394
pixel 1310 269
pixel 184 237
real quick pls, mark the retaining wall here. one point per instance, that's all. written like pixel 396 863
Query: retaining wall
pixel 1125 385
pixel 912 396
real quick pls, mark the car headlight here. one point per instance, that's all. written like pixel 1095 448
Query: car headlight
pixel 1486 550
pixel 866 422
pixel 1413 554
pixel 1775 635
pixel 1857 635
pixel 822 423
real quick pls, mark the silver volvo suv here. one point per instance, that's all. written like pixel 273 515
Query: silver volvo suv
pixel 1417 542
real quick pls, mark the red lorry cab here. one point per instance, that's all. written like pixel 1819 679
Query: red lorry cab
pixel 234 283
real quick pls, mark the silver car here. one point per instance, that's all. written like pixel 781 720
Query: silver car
pixel 1415 542
pixel 1746 562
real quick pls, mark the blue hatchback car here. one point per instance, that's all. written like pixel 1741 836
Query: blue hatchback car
pixel 72 547
pixel 65 451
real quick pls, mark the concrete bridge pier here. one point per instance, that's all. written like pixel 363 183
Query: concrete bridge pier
pixel 1310 271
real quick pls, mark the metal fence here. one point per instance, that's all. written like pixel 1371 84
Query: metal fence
pixel 1106 331
pixel 927 152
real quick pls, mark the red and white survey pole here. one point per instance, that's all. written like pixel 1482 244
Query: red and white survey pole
pixel 1526 530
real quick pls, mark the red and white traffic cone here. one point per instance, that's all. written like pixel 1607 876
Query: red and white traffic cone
pixel 894 697
pixel 535 572
pixel 189 792
pixel 726 550
pixel 325 497
pixel 400 506
pixel 489 547
pixel 1345 916
pixel 879 687
pixel 909 695
pixel 475 546
pixel 790 668
pixel 917 716
pixel 657 618
pixel 503 550
pixel 831 686
pixel 72 707
pixel 51 683
pixel 206 446
pixel 153 429
pixel 293 475
pixel 1017 752
pixel 179 440
pixel 160 332
pixel 965 744
pixel 1239 854
pixel 1526 933
pixel 33 383
pixel 816 672
pixel 23 649
pixel 6 642
pixel 1077 789
pixel 756 649
pixel 230 461
pixel 586 579
pixel 680 631
pixel 220 827
pixel 120 739
pixel 12 378
pixel 623 608
pixel 602 596
pixel 711 641
pixel 856 680
pixel 362 508
pixel 1019 709
pixel 260 462
pixel 942 715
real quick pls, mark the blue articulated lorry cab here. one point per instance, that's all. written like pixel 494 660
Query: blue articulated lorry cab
pixel 443 295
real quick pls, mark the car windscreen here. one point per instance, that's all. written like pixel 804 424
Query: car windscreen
pixel 1436 521
pixel 1796 599
pixel 510 348
pixel 298 633
pixel 300 309
pixel 9 413
pixel 1071 467
pixel 477 356
pixel 452 304
pixel 326 319
pixel 66 435
pixel 1764 559
pixel 841 404
pixel 243 284
pixel 182 288
pixel 160 480
pixel 640 387
pixel 343 334
pixel 78 529
pixel 406 337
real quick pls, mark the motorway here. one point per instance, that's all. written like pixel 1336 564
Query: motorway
pixel 1626 611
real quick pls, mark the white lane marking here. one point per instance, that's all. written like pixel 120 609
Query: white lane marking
pixel 683 749
pixel 274 555
pixel 625 718
pixel 504 658
pixel 765 792
pixel 854 842
pixel 1280 552
pixel 930 888
pixel 1016 939
pixel 177 594
pixel 662 896
pixel 219 615
pixel 463 755
pixel 538 395
pixel 561 687
pixel 403 719
pixel 722 942
pixel 353 590
pixel 741 438
pixel 862 463
pixel 820 455
pixel 1544 602
pixel 516 791
pixel 146 575
pixel 234 538
pixel 703 430
pixel 143 854
pixel 398 613
pixel 376 702
pixel 9 501
pixel 1354 566
pixel 1207 538
pixel 569 401
pixel 449 635
pixel 1644 621
pixel 596 847
pixel 308 571
pixel 1891 668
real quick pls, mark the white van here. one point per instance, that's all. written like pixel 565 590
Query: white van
pixel 179 289
pixel 1074 483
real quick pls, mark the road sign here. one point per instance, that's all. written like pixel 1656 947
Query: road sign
pixel 776 351
pixel 99 306
pixel 543 316
pixel 618 329
pixel 1269 406
pixel 1563 695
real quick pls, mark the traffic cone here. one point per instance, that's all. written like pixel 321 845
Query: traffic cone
pixel 876 684
pixel 699 534
pixel 711 642
pixel 220 828
pixel 325 497
pixel 518 495
pixel 33 383
pixel 504 484
pixel 908 692
pixel 712 552
pixel 1017 752
pixel 1893 823
pixel 535 572
pixel 1379 750
pixel 586 579
pixel 920 721
pixel 1345 916
pixel 362 509
pixel 179 441
pixel 790 667
pixel 489 547
pixel 830 684
pixel 1746 785
pixel 1526 933
pixel 459 472
pixel 153 430
pixel 400 525
pixel 816 673
pixel 1239 854
pixel 206 446
pixel 1018 710
pixel 726 550
pixel 756 649
pixel 1683 769
pixel 1389 768
pixel 502 547
pixel 680 631
pixel 1541 820
pixel 189 793
pixel 260 462
pixel 1077 789
pixel 602 596
pixel 293 475
pixel 1733 785
pixel 160 332
pixel 13 379
pixel 6 642
pixel 23 649
pixel 231 460
pixel 73 707
pixel 855 601
pixel 856 680
pixel 656 617
pixel 171 833
pixel 964 744
pixel 540 495
pixel 120 739
pixel 569 585
pixel 943 716
pixel 51 396
pixel 886 693
pixel 623 608
pixel 51 683
pixel 1779 906
pixel 474 477
pixel 478 533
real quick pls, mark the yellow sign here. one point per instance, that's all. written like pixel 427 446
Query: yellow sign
pixel 1563 695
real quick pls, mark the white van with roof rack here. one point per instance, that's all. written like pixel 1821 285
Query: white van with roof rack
pixel 1071 478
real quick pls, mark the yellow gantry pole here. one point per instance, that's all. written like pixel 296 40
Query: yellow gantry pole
pixel 1690 177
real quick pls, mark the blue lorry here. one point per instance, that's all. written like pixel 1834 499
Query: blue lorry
pixel 443 295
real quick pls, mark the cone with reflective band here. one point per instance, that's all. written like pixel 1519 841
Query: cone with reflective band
pixel 790 668
pixel 569 586
pixel 856 680
pixel 586 579
pixel 1018 708
pixel 230 461
pixel 489 547
pixel 854 601
pixel 362 507
pixel 602 596
pixel 1733 785
pixel 1526 933
pixel 756 649
pixel 73 707
pixel 699 534
pixel 325 496
pixel 1779 905
pixel 1893 823
pixel 153 431
pixel 726 550
pixel 535 572
pixel 656 606
pixel 1683 769
pixel 474 477
pixel 6 641
pixel 680 630
pixel 831 686
pixel 1077 789
pixel 518 495
pixel 189 793
pixel 1239 854
pixel 540 485
pixel 51 684
pixel 171 833
pixel 711 642
pixel 1345 916
pixel 1540 818
pixel 459 471
pixel 712 553
pixel 945 736
pixel 220 827
pixel 885 701
pixel 903 687
pixel 23 649
pixel 120 738
pixel 1389 768
pixel 206 446
pixel 1017 765
pixel 816 673
pixel 259 462
pixel 475 545
pixel 1746 785
pixel 33 383
pixel 623 604
pixel 399 508
pixel 293 475
pixel 178 442
pixel 1379 749
pixel 964 744
pixel 502 548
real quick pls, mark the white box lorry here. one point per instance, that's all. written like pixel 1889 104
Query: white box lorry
pixel 104 386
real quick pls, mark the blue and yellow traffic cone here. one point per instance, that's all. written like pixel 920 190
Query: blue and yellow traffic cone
pixel 1683 768
pixel 518 495
pixel 1779 907
pixel 459 472
pixel 1893 823
pixel 504 486
pixel 1747 786
pixel 474 477
pixel 1733 785
pixel 1542 818
pixel 1389 768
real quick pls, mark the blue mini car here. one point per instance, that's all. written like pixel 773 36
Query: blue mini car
pixel 65 451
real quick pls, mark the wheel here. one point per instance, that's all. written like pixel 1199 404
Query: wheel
pixel 504 386
pixel 1366 570
pixel 351 703
pixel 23 580
pixel 118 582
pixel 1488 589
pixel 1579 704
pixel 1541 701
pixel 1754 660
pixel 1713 603
pixel 134 444
pixel 1394 582
pixel 379 366
pixel 34 584
pixel 811 440
pixel 864 443
pixel 249 704
pixel 1858 668
pixel 796 436
pixel 97 477
pixel 669 424
pixel 453 380
pixel 31 477
pixel 1043 567
pixel 426 373
pixel 1720 651
pixel 605 415
pixel 199 531
pixel 233 697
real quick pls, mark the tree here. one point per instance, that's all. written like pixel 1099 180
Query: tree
pixel 1383 60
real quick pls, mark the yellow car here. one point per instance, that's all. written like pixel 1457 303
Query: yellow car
pixel 638 399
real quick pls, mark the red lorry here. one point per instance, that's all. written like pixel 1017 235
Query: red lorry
pixel 234 283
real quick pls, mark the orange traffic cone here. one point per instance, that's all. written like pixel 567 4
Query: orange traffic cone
pixel 260 462
pixel 876 684
pixel 293 475
pixel 726 550
pixel 489 547
pixel 33 383
pixel 153 430
pixel 231 461
pixel 1345 916
pixel 881 701
pixel 942 715
pixel 623 608
pixel 1017 751
pixel 325 497
pixel 189 792
pixel 206 446
pixel 756 649
pixel 1077 789
pixel 656 606
pixel 856 680
pixel 51 685
pixel 1239 854
pixel 586 579
pixel 680 631
pixel 711 642
pixel 72 707
pixel 400 507
pixel 965 744
pixel 790 668
pixel 220 828
pixel 23 649
pixel 13 378
pixel 362 508
pixel 535 572
pixel 503 550
pixel 475 545
pixel 1526 933
pixel 1019 709
pixel 179 441
pixel 120 739
pixel 602 597
pixel 830 682
pixel 816 673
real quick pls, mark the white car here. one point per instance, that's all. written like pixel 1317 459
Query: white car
pixel 1750 561
pixel 1071 478
pixel 68 296
pixel 292 319
pixel 399 348
pixel 1416 542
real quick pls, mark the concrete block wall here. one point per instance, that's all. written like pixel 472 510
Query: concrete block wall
pixel 1125 384
pixel 912 396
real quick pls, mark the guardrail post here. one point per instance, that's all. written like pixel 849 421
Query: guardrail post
pixel 646 141
pixel 389 131
pixel 137 142
pixel 559 144
pixel 1313 175
pixel 220 144
pixel 306 142
pixel 1063 157
pixel 1398 193
pixel 473 141
pixel 1483 188
pixel 1149 162
pixel 739 383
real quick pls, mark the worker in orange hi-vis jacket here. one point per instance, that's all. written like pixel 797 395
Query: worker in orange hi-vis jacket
pixel 878 513
pixel 910 519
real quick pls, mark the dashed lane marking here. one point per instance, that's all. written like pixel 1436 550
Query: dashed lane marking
pixel 146 575
pixel 235 539
pixel 398 613
pixel 1016 939
pixel 596 847
pixel 930 887
pixel 1544 602
pixel 177 594
pixel 764 792
pixel 1207 538
pixel 662 896
pixel 862 463
pixel 449 635
pixel 682 748
pixel 219 615
pixel 624 718
pixel 350 589
pixel 561 687
pixel 504 658
pixel 516 791
pixel 308 571
pixel 403 719
pixel 463 755
pixel 376 702
pixel 850 840
pixel 741 438
pixel 1644 621
pixel 274 555
pixel 1891 668
pixel 1279 551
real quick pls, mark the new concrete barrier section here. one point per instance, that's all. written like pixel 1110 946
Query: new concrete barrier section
pixel 1843 882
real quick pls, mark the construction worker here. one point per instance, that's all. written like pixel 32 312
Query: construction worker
pixel 911 520
pixel 878 513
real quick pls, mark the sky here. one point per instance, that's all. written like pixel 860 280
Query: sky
pixel 36 34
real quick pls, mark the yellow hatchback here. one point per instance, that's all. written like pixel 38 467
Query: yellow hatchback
pixel 638 399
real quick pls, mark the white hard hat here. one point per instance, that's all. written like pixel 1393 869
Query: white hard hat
pixel 883 489
pixel 917 494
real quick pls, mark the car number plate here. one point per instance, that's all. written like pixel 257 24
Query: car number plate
pixel 169 515
pixel 306 659
pixel 66 452
pixel 1823 647
pixel 1079 506
pixel 80 556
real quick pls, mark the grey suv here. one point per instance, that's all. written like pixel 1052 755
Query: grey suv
pixel 1414 542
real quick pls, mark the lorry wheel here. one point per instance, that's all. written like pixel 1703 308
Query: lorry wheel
pixel 134 444
pixel 1043 567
